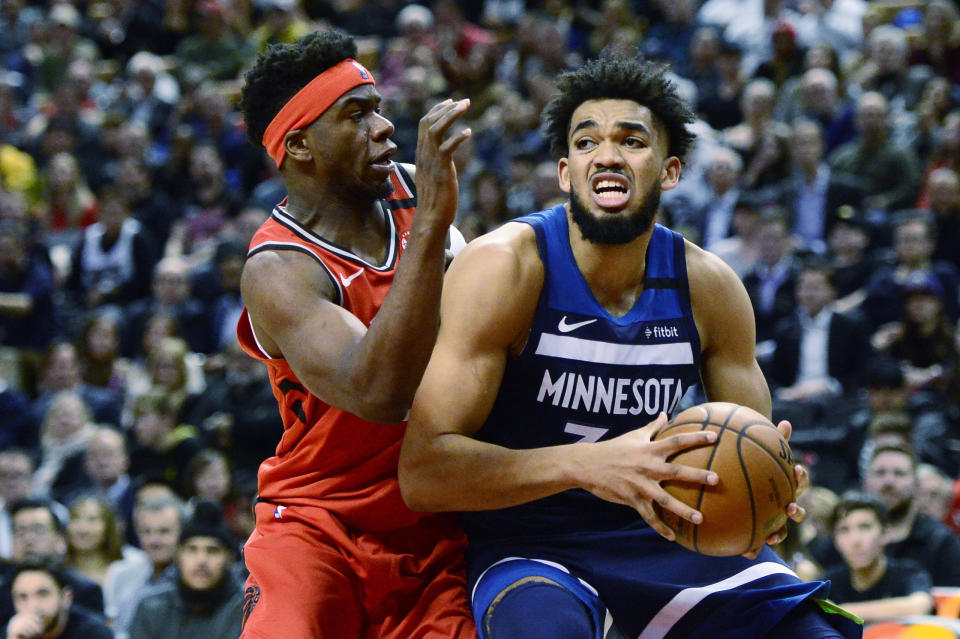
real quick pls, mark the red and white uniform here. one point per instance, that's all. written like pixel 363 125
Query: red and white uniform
pixel 336 552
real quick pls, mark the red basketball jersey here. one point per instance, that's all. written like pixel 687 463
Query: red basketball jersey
pixel 328 457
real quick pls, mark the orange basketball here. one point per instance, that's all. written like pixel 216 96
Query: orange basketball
pixel 757 481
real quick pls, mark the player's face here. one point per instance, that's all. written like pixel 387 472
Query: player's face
pixel 36 592
pixel 351 142
pixel 859 538
pixel 615 168
pixel 891 477
pixel 203 563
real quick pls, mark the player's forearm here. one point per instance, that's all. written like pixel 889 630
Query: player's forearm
pixel 398 342
pixel 918 603
pixel 458 473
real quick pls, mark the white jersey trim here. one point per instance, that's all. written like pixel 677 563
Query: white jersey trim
pixel 587 350
pixel 389 260
pixel 256 340
pixel 685 600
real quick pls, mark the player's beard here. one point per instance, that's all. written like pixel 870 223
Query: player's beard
pixel 615 229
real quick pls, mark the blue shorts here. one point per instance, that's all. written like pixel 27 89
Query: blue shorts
pixel 649 587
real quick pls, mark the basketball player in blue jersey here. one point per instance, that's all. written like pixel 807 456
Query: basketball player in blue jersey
pixel 566 338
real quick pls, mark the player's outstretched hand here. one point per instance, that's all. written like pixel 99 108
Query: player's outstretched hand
pixel 436 176
pixel 795 511
pixel 628 470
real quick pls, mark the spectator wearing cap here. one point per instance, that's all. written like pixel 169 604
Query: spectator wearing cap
pixel 206 600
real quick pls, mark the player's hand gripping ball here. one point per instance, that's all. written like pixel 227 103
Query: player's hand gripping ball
pixel 757 481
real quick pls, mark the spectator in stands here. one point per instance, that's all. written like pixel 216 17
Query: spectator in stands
pixel 943 202
pixel 170 294
pixel 28 317
pixel 938 46
pixel 889 173
pixel 16 482
pixel 113 261
pixel 40 534
pixel 817 96
pixel 772 281
pixel 157 522
pixel 205 601
pixel 106 467
pixel 237 412
pixel 64 432
pixel 208 202
pixel 149 204
pixel 94 538
pixel 819 352
pixel 886 71
pixel 868 583
pixel 99 350
pixel 813 192
pixel 162 445
pixel 65 204
pixel 892 477
pixel 923 339
pixel 43 599
pixel 214 47
pixel 760 140
pixel 914 241
pixel 17 427
pixel 60 371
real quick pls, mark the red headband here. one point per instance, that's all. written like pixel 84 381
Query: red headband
pixel 311 101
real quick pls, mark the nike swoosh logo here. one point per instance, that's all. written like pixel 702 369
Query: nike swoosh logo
pixel 347 280
pixel 566 328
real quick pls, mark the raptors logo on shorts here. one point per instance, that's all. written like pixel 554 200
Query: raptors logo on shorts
pixel 250 598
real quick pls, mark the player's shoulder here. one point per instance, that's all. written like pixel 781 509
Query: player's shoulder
pixel 511 247
pixel 271 272
pixel 707 270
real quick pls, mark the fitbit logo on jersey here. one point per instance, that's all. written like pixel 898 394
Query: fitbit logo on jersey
pixel 611 395
pixel 661 332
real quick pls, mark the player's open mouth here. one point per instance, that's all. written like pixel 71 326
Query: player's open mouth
pixel 383 162
pixel 610 190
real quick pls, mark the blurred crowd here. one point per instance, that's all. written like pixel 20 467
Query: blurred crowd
pixel 826 173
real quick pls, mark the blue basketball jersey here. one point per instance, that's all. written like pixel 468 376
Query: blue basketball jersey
pixel 586 375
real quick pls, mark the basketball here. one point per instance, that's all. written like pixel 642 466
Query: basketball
pixel 757 481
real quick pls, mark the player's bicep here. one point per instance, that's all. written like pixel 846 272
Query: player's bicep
pixel 727 327
pixel 289 298
pixel 485 309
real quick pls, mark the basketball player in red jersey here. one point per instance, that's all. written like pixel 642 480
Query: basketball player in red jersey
pixel 341 287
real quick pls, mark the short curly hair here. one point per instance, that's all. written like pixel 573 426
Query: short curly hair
pixel 282 70
pixel 619 78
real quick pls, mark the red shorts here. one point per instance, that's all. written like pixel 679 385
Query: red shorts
pixel 311 577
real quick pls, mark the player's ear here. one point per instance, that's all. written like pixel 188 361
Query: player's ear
pixel 563 174
pixel 670 173
pixel 294 142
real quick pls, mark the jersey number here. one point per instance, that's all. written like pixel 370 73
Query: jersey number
pixel 586 433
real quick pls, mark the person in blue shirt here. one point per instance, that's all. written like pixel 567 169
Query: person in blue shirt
pixel 566 337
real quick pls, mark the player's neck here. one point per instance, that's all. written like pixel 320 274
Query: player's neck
pixel 614 272
pixel 358 228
